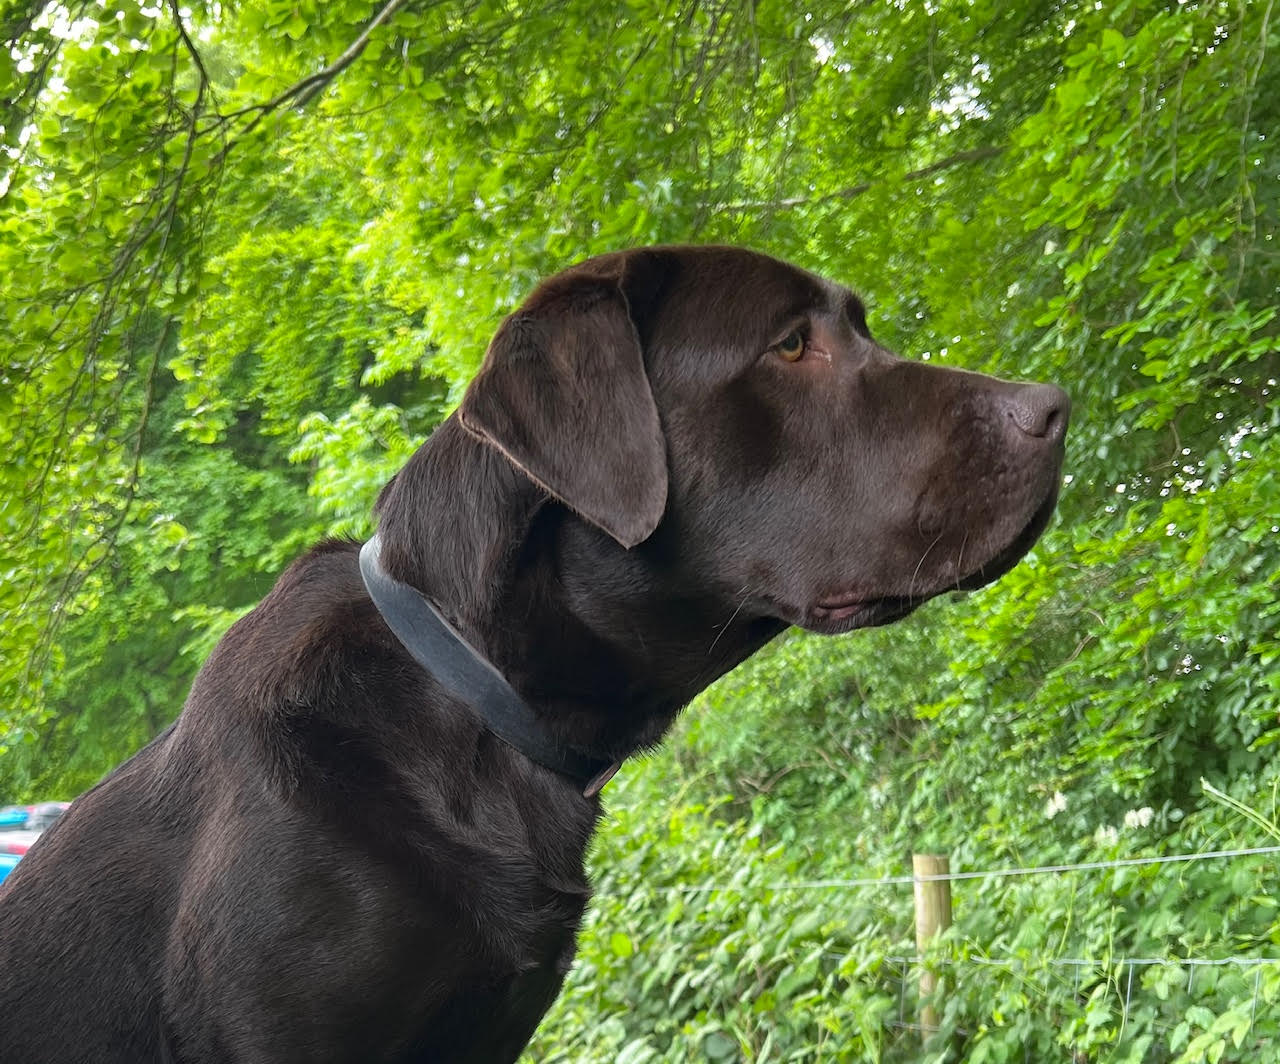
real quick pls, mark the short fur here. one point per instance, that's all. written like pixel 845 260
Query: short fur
pixel 329 859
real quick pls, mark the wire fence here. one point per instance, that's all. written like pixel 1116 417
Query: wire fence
pixel 1117 971
pixel 994 873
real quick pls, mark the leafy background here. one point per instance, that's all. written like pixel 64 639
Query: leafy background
pixel 251 254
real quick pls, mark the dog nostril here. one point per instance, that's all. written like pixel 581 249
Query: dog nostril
pixel 1040 410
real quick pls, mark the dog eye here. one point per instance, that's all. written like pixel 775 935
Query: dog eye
pixel 791 346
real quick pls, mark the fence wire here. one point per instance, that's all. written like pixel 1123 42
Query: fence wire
pixel 994 873
pixel 1117 967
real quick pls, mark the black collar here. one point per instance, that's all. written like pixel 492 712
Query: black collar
pixel 461 670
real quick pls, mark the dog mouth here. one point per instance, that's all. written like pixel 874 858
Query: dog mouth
pixel 846 611
pixel 839 613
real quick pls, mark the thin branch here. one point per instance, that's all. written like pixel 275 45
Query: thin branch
pixel 1245 196
pixel 317 82
pixel 189 44
pixel 160 212
pixel 302 92
pixel 972 155
pixel 163 223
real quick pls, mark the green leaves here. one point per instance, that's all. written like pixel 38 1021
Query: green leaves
pixel 237 293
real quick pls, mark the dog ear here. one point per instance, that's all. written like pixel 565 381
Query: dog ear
pixel 564 394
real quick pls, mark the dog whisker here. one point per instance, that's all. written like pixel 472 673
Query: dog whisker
pixel 911 587
pixel 960 559
pixel 746 594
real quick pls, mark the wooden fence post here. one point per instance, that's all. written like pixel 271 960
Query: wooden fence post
pixel 933 916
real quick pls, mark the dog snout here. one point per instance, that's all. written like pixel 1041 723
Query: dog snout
pixel 1039 410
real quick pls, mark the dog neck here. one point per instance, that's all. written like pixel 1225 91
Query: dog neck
pixel 457 666
pixel 542 595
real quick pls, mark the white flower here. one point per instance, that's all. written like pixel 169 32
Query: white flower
pixel 1055 805
pixel 1139 818
pixel 1106 835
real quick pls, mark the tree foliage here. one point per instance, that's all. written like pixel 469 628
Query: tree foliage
pixel 252 253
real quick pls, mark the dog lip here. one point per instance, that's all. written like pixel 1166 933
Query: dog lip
pixel 844 612
pixel 844 600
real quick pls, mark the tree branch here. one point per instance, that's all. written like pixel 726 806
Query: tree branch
pixel 972 155
pixel 303 92
pixel 190 46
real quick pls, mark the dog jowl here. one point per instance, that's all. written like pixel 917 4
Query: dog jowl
pixel 362 839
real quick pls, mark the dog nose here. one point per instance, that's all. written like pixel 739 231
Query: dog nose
pixel 1040 410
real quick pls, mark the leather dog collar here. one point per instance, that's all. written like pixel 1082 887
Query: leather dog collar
pixel 464 672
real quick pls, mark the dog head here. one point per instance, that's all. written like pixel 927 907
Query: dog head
pixel 732 414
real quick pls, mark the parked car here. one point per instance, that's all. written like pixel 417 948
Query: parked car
pixel 20 826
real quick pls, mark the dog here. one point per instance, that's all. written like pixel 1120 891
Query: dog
pixel 362 840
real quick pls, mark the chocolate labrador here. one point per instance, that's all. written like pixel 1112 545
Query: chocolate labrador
pixel 363 839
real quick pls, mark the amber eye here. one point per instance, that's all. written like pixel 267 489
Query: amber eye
pixel 791 347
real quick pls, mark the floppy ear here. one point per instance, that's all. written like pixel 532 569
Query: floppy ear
pixel 563 393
